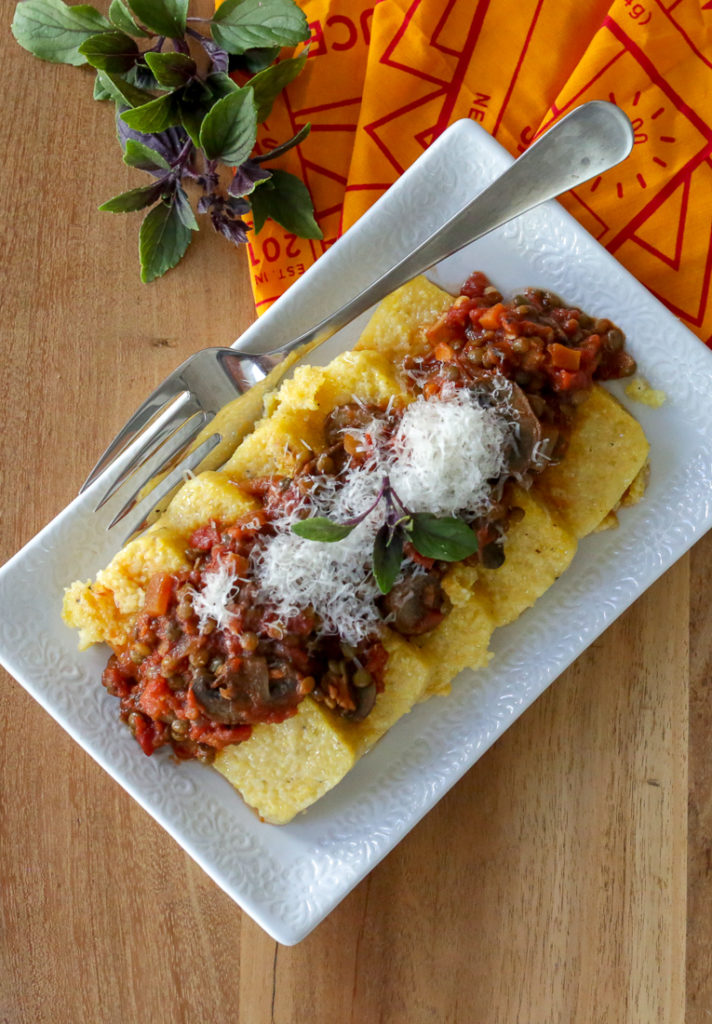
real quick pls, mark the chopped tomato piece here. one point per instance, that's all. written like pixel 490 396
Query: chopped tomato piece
pixel 150 735
pixel 205 537
pixel 155 697
pixel 219 736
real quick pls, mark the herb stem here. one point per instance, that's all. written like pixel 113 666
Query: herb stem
pixel 394 495
pixel 180 162
pixel 359 519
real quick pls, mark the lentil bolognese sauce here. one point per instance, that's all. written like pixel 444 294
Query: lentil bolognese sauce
pixel 212 653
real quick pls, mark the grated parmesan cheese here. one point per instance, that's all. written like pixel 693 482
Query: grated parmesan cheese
pixel 334 579
pixel 446 452
pixel 219 588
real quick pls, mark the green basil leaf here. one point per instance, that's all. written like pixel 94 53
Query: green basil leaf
pixel 255 60
pixel 194 101
pixel 121 91
pixel 445 538
pixel 136 154
pixel 164 17
pixel 185 210
pixel 240 25
pixel 162 241
pixel 53 31
pixel 110 51
pixel 135 199
pixel 387 557
pixel 221 85
pixel 285 146
pixel 321 528
pixel 153 117
pixel 171 69
pixel 288 202
pixel 100 90
pixel 141 77
pixel 120 17
pixel 229 129
pixel 268 84
pixel 191 117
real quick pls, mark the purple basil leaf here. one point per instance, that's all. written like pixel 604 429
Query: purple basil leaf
pixel 238 205
pixel 246 177
pixel 168 143
pixel 218 57
pixel 234 230
pixel 138 155
pixel 204 203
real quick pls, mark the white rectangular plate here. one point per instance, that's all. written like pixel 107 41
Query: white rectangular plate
pixel 289 878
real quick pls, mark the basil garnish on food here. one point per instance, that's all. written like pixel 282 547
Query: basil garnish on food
pixel 442 538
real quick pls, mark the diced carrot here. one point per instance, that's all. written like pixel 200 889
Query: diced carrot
pixel 490 318
pixel 444 352
pixel 158 593
pixel 564 358
pixel 438 330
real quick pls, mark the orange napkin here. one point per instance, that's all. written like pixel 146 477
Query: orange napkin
pixel 384 80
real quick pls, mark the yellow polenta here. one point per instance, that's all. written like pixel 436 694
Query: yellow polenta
pixel 282 769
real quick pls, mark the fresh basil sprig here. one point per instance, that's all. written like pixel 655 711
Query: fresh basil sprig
pixel 443 538
pixel 179 116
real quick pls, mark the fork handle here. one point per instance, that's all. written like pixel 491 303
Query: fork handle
pixel 590 140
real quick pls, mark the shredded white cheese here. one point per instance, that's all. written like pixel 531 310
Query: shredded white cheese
pixel 219 588
pixel 334 579
pixel 445 452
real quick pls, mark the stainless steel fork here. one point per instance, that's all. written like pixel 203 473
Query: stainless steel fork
pixel 591 139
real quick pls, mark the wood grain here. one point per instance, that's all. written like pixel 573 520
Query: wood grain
pixel 557 882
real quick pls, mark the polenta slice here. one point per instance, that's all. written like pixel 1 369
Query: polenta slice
pixel 179 603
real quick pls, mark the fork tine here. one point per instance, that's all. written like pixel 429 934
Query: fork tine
pixel 165 434
pixel 154 465
pixel 158 398
pixel 140 513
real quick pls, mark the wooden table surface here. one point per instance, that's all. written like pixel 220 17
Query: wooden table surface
pixel 566 878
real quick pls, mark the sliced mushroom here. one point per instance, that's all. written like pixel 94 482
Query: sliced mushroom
pixel 244 695
pixel 527 428
pixel 528 433
pixel 365 697
pixel 417 604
